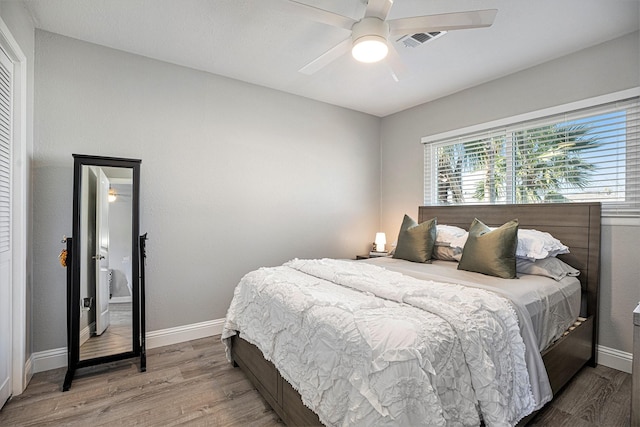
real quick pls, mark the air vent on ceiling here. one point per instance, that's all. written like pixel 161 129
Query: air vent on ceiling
pixel 416 40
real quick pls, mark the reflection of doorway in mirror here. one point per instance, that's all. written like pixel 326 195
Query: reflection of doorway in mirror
pixel 87 262
pixel 101 256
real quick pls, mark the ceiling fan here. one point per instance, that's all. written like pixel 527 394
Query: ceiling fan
pixel 369 40
pixel 114 194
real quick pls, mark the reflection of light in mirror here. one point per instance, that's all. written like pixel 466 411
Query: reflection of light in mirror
pixel 112 195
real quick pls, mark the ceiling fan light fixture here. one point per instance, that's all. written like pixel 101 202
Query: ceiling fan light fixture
pixel 370 49
pixel 112 195
pixel 369 37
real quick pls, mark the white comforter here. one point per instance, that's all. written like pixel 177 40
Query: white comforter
pixel 367 346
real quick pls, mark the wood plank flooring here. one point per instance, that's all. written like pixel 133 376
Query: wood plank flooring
pixel 193 384
pixel 118 338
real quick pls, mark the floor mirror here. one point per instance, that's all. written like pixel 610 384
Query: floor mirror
pixel 106 262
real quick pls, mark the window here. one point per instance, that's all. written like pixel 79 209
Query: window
pixel 588 154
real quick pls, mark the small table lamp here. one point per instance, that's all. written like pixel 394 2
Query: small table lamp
pixel 381 240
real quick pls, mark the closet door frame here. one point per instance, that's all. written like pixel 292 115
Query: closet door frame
pixel 22 369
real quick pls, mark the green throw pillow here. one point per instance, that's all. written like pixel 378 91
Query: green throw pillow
pixel 491 252
pixel 415 241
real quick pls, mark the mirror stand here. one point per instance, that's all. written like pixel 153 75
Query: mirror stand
pixel 106 259
pixel 143 339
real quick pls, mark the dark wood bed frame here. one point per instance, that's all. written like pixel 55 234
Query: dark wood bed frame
pixel 577 225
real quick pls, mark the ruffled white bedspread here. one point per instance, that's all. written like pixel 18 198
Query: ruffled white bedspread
pixel 367 346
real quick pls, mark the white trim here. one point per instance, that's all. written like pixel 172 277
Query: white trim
pixel 28 370
pixel 184 333
pixel 616 359
pixel 57 357
pixel 85 333
pixel 19 211
pixel 559 109
pixel 49 359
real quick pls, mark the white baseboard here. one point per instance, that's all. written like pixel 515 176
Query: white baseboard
pixel 180 334
pixel 85 333
pixel 616 359
pixel 120 300
pixel 49 359
pixel 57 357
pixel 28 371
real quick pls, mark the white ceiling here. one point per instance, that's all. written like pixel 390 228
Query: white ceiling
pixel 254 41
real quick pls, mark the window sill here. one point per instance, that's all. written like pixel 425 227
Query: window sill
pixel 620 221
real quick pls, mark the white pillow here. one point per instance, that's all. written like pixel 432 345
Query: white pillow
pixel 549 267
pixel 446 234
pixel 534 244
pixel 446 253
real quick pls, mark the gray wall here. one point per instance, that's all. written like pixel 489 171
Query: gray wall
pixel 606 68
pixel 234 176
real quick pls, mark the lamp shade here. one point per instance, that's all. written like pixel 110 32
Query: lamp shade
pixel 381 240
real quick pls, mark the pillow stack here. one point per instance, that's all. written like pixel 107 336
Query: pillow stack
pixel 503 252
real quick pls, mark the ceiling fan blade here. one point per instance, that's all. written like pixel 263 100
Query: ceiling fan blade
pixel 302 10
pixel 442 22
pixel 327 57
pixel 397 67
pixel 378 8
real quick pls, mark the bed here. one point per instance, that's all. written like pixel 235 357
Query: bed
pixel 577 225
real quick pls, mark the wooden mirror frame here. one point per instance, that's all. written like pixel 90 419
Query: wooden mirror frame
pixel 74 270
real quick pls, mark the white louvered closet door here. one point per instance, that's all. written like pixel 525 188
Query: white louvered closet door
pixel 6 346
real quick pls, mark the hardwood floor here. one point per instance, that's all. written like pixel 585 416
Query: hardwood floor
pixel 193 384
pixel 185 384
pixel 596 397
pixel 116 339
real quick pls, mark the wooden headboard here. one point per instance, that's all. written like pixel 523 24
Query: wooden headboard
pixel 577 225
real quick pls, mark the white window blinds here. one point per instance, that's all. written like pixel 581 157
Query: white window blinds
pixel 591 154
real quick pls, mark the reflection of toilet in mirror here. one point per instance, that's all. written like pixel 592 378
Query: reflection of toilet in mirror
pixel 119 287
pixel 120 301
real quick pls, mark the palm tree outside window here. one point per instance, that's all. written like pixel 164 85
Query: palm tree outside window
pixel 585 155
